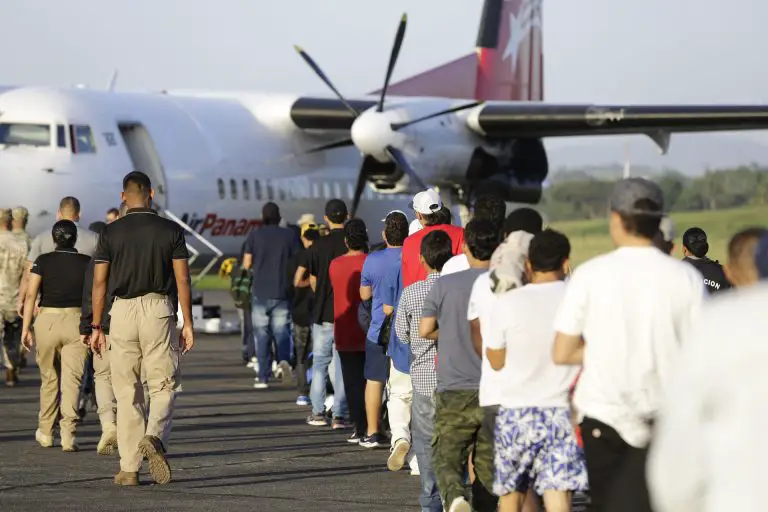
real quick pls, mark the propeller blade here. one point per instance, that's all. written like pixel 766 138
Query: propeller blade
pixel 393 60
pixel 359 188
pixel 325 79
pixel 397 156
pixel 398 126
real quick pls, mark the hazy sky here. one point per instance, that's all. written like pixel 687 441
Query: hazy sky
pixel 595 50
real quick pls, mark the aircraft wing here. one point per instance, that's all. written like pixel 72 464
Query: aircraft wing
pixel 512 119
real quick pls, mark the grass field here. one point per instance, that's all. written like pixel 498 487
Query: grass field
pixel 590 237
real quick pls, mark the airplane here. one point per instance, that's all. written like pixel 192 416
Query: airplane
pixel 472 126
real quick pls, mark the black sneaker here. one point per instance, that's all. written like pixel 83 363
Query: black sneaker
pixel 354 438
pixel 317 420
pixel 374 441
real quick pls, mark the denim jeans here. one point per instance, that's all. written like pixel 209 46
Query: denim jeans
pixel 422 427
pixel 271 319
pixel 246 332
pixel 323 353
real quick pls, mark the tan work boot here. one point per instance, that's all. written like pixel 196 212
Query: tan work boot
pixel 152 450
pixel 43 440
pixel 127 479
pixel 69 444
pixel 107 443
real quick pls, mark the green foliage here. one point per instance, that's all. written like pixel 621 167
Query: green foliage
pixel 577 195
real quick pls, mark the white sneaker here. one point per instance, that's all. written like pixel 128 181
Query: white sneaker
pixel 260 385
pixel 108 443
pixel 400 451
pixel 43 440
pixel 286 372
pixel 69 445
pixel 460 505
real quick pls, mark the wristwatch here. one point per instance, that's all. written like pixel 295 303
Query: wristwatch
pixel 96 327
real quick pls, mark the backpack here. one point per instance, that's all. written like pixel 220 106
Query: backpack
pixel 240 286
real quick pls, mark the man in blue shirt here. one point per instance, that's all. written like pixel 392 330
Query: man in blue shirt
pixel 380 271
pixel 268 250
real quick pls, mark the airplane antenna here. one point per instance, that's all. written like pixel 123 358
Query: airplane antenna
pixel 627 165
pixel 113 81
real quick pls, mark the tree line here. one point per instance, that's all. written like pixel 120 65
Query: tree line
pixel 581 195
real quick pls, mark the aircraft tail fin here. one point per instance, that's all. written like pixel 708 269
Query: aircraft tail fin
pixel 508 63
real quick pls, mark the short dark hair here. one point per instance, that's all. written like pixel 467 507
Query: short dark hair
pixel 744 243
pixel 113 211
pixel 482 238
pixel 137 181
pixel 436 249
pixel 70 203
pixel 548 251
pixel 311 234
pixel 523 219
pixel 336 211
pixel 639 224
pixel 270 214
pixel 492 208
pixel 695 240
pixel 396 229
pixel 356 235
pixel 64 234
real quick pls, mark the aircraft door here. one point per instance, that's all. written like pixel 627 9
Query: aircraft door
pixel 145 158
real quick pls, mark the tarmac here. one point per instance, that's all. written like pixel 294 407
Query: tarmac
pixel 232 448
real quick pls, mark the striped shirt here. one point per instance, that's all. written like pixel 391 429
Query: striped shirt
pixel 423 351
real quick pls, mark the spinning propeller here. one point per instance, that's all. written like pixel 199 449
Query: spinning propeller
pixel 372 131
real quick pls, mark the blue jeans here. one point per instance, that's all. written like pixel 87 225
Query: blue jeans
pixel 422 428
pixel 323 353
pixel 271 320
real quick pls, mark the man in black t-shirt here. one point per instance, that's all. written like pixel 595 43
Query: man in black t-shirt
pixel 301 310
pixel 268 251
pixel 320 255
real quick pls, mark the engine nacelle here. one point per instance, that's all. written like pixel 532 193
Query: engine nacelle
pixel 385 178
pixel 515 173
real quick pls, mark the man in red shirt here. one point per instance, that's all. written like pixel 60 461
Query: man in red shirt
pixel 344 274
pixel 427 205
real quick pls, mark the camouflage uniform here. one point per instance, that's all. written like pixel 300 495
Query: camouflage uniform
pixel 21 213
pixel 458 421
pixel 13 258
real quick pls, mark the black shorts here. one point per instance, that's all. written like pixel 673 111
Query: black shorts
pixel 376 362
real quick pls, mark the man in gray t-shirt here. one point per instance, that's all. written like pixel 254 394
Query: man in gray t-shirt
pixel 447 301
pixel 69 209
pixel 458 415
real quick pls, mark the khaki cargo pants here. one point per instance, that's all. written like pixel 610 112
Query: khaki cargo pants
pixel 61 359
pixel 142 332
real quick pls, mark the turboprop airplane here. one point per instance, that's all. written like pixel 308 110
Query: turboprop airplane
pixel 216 157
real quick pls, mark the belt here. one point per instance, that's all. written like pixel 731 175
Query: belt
pixel 157 296
pixel 60 311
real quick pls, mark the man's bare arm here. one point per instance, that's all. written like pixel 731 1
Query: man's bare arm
pixel 568 349
pixel 428 328
pixel 313 283
pixel 247 261
pixel 99 291
pixel 366 292
pixel 300 279
pixel 23 287
pixel 496 358
pixel 477 336
pixel 181 273
pixel 388 310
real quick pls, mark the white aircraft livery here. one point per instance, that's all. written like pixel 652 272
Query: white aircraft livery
pixel 215 158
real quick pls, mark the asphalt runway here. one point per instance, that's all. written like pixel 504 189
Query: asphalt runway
pixel 232 448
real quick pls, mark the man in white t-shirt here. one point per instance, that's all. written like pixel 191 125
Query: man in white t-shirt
pixel 708 450
pixel 535 445
pixel 623 317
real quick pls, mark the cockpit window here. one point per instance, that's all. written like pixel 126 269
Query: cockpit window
pixel 61 136
pixel 25 134
pixel 82 139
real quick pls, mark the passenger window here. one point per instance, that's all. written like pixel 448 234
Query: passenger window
pixel 350 190
pixel 336 190
pixel 315 190
pixel 270 191
pixel 222 192
pixel 82 139
pixel 281 190
pixel 233 189
pixel 61 136
pixel 257 189
pixel 326 191
pixel 25 134
pixel 246 191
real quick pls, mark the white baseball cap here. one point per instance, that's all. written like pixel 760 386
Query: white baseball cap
pixel 414 227
pixel 427 202
pixel 390 213
pixel 667 228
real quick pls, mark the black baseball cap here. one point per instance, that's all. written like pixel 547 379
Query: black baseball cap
pixel 627 193
pixel 336 210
